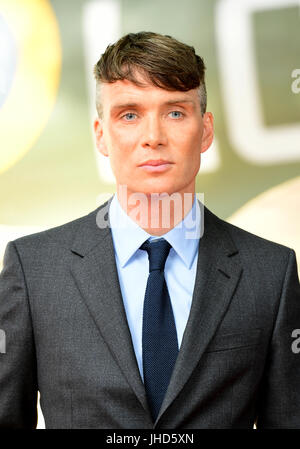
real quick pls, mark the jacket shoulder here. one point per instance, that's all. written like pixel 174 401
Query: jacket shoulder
pixel 259 250
pixel 63 234
pixel 248 243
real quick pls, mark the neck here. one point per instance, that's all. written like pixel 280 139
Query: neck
pixel 156 213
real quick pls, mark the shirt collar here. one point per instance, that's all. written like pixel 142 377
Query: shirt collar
pixel 128 236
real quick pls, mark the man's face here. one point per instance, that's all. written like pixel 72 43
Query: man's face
pixel 142 126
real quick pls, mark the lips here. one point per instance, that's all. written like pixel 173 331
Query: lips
pixel 155 162
pixel 156 165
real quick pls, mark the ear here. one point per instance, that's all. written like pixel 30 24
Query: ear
pixel 100 143
pixel 208 131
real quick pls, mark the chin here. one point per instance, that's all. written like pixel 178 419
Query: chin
pixel 160 186
pixel 158 190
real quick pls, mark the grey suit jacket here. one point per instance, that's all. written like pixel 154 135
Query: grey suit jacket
pixel 67 336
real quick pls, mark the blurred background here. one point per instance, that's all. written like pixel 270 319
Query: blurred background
pixel 50 172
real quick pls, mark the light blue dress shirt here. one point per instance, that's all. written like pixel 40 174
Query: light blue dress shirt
pixel 133 268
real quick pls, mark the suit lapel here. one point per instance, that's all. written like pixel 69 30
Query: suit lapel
pixel 95 273
pixel 217 276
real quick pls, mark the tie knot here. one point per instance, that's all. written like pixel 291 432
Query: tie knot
pixel 158 252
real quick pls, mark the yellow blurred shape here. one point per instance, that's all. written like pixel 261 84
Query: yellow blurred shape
pixel 274 215
pixel 33 92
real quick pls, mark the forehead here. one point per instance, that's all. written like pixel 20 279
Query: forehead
pixel 124 91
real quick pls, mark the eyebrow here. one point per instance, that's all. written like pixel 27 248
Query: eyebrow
pixel 124 106
pixel 179 100
pixel 134 105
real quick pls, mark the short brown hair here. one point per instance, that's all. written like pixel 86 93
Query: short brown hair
pixel 165 62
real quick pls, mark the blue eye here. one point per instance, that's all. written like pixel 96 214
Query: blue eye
pixel 129 116
pixel 176 114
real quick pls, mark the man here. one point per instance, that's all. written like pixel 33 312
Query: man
pixel 150 312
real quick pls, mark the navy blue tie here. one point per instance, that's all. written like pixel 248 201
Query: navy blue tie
pixel 160 346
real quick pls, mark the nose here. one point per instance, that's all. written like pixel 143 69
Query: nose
pixel 154 133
